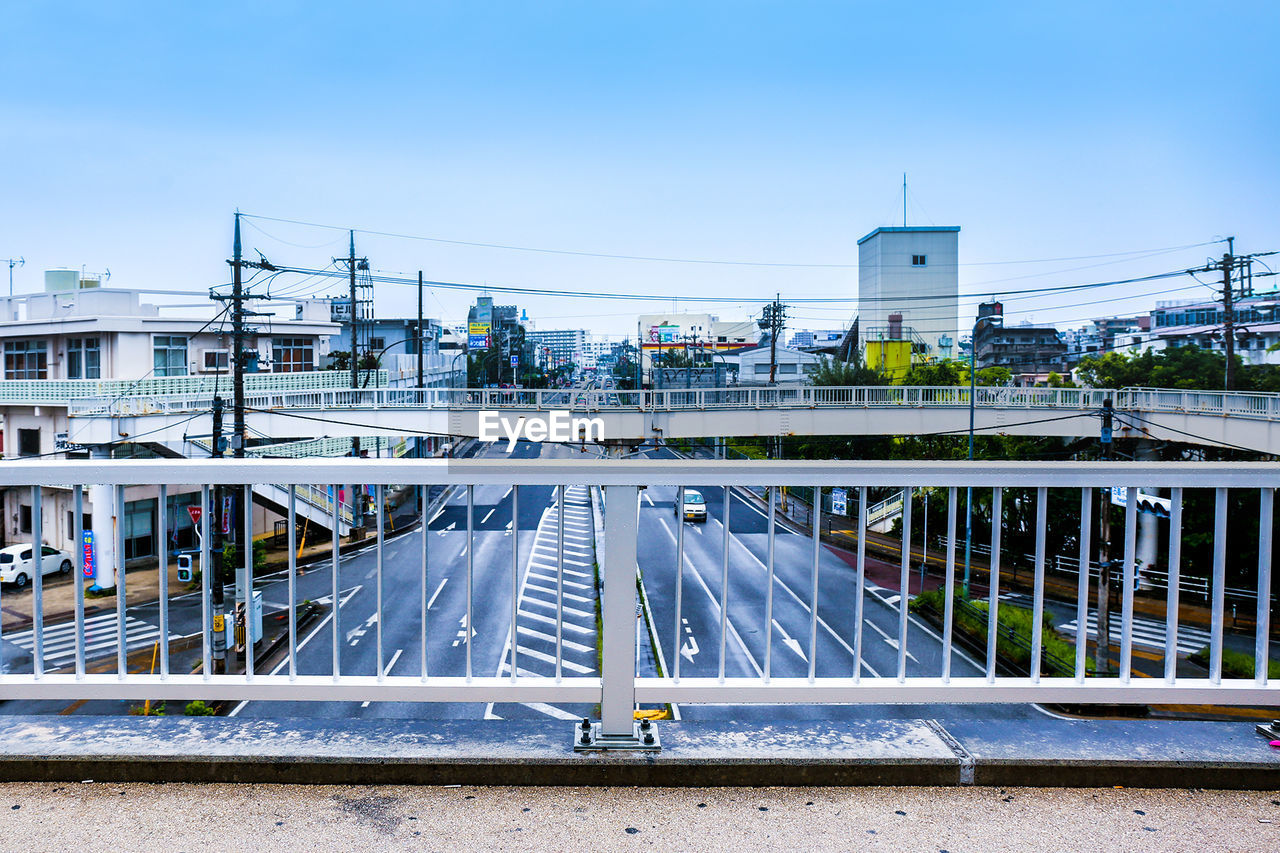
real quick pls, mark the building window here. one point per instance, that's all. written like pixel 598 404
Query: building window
pixel 138 527
pixel 24 518
pixel 292 355
pixel 170 355
pixel 377 344
pixel 29 442
pixel 26 360
pixel 84 358
pixel 86 521
pixel 919 260
pixel 217 360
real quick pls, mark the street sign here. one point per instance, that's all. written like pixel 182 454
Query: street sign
pixel 88 553
pixel 226 515
pixel 195 512
pixel 839 502
pixel 515 360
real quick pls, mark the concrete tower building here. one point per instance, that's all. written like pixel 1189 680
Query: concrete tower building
pixel 913 272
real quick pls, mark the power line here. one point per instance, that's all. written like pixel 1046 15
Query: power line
pixel 674 260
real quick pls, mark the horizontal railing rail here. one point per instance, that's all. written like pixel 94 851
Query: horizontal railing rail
pixel 280 394
pixel 810 620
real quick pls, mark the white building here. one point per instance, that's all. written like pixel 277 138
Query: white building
pixel 676 331
pixel 752 365
pixel 913 272
pixel 86 341
pixel 556 347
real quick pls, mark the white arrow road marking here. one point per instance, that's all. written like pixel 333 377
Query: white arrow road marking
pixel 386 671
pixel 790 642
pixel 436 594
pixel 690 649
pixel 892 641
pixel 360 630
pixel 462 632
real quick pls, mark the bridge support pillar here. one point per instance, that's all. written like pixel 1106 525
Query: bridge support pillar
pixel 106 515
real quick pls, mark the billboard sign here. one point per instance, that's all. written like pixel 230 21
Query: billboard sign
pixel 89 566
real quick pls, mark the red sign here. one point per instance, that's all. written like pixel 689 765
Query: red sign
pixel 226 515
pixel 194 512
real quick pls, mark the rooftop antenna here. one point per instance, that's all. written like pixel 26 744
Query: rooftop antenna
pixel 14 262
pixel 904 199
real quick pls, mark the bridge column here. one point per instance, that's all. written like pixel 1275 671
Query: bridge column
pixel 106 517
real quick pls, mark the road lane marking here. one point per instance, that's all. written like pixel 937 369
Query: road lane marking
pixel 436 594
pixel 385 672
pixel 487 514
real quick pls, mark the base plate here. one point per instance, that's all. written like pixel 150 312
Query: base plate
pixel 587 737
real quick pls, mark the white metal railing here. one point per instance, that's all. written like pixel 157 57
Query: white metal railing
pixel 282 395
pixel 785 586
pixel 99 392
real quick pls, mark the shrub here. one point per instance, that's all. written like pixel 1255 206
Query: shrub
pixel 1236 664
pixel 198 708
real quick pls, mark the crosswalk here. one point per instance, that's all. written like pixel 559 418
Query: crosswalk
pixel 1147 633
pixel 534 643
pixel 100 638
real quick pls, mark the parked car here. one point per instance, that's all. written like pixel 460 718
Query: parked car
pixel 16 565
pixel 695 506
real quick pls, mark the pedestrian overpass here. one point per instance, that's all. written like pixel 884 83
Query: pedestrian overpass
pixel 1209 418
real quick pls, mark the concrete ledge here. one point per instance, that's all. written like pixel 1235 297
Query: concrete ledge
pixel 907 752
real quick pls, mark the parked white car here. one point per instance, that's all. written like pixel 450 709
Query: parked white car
pixel 17 567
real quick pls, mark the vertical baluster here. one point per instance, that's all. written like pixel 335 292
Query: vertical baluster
pixel 560 585
pixel 248 582
pixel 768 593
pixel 862 583
pixel 1037 606
pixel 37 581
pixel 426 538
pixel 679 637
pixel 1262 629
pixel 1126 597
pixel 206 569
pixel 724 584
pixel 1082 585
pixel 1219 584
pixel 163 503
pixel 291 543
pixel 335 602
pixel 515 576
pixel 378 513
pixel 471 517
pixel 77 542
pixel 993 580
pixel 905 581
pixel 1174 587
pixel 122 651
pixel 948 585
pixel 813 595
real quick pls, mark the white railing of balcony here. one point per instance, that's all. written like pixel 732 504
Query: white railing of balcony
pixel 837 671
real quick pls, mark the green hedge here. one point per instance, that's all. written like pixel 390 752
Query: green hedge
pixel 1019 619
pixel 1236 664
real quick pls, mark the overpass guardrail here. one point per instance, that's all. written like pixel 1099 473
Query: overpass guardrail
pixel 280 395
pixel 835 604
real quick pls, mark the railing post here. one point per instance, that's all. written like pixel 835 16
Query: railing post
pixel 618 611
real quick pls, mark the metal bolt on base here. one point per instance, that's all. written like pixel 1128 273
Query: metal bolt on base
pixel 1271 730
pixel 587 737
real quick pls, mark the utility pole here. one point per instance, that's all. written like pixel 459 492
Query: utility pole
pixel 214 570
pixel 1228 315
pixel 420 384
pixel 357 498
pixel 1102 651
pixel 775 314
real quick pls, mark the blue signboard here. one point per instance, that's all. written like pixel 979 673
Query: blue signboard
pixel 477 341
pixel 88 553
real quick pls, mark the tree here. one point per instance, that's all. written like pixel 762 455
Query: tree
pixel 830 373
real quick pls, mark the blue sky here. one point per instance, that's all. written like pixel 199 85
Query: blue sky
pixel 771 132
